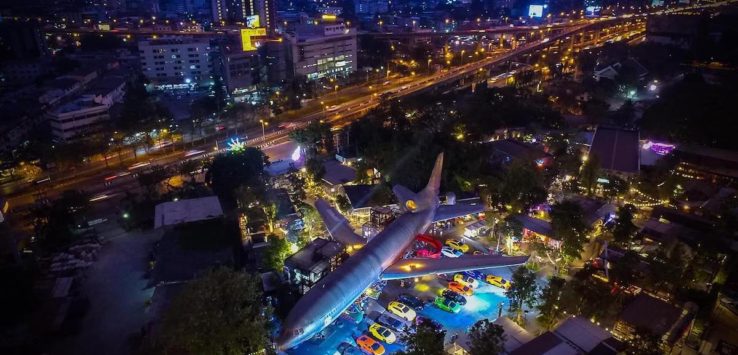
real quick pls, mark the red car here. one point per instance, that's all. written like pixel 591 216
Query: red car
pixel 460 288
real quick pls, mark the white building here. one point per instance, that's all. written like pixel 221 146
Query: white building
pixel 77 118
pixel 176 61
pixel 324 50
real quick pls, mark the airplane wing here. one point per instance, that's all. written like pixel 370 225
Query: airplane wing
pixel 444 212
pixel 415 267
pixel 337 225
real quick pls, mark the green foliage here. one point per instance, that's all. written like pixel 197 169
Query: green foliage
pixel 522 292
pixel 427 340
pixel 589 173
pixel 486 338
pixel 588 297
pixel 343 203
pixel 56 222
pixel 694 111
pixel 315 169
pixel 140 111
pixel 229 171
pixel 317 136
pixel 567 223
pixel 548 306
pixel 624 227
pixel 521 186
pixel 623 272
pixel 218 313
pixel 277 251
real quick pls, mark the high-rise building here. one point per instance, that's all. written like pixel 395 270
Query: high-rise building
pixel 266 10
pixel 176 61
pixel 232 10
pixel 323 50
pixel 21 40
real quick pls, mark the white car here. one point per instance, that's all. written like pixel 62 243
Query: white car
pixel 450 252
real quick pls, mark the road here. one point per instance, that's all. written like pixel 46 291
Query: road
pixel 338 109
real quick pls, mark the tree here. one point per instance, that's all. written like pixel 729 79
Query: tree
pixel 427 340
pixel 270 211
pixel 644 342
pixel 486 338
pixel 55 222
pixel 343 203
pixel 567 223
pixel 623 272
pixel 548 307
pixel 218 313
pixel 624 227
pixel 234 169
pixel 522 291
pixel 276 252
pixel 589 173
pixel 521 186
pixel 315 169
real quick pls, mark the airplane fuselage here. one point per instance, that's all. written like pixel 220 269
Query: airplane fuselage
pixel 322 304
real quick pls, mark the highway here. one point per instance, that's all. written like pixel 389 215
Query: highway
pixel 359 100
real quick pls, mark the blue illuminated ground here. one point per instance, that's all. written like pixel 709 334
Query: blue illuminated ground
pixel 482 305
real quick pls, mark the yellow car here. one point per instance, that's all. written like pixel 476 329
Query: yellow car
pixel 466 280
pixel 457 245
pixel 370 345
pixel 498 281
pixel 382 333
pixel 402 310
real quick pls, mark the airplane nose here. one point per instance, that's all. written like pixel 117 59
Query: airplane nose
pixel 285 340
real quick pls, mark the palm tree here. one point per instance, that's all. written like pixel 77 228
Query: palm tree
pixel 270 210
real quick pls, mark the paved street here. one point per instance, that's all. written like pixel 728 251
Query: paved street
pixel 117 290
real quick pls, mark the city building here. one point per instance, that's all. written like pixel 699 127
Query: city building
pixel 80 117
pixel 574 335
pixel 310 264
pixel 704 163
pixel 324 50
pixel 650 314
pixel 23 71
pixel 176 62
pixel 371 7
pixel 240 69
pixel 612 71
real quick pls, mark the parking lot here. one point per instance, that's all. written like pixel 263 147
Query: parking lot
pixel 485 303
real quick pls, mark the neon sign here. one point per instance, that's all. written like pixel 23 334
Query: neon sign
pixel 236 145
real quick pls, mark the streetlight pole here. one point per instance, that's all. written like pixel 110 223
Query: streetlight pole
pixel 263 131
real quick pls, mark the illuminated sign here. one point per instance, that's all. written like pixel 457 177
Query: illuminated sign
pixel 247 40
pixel 253 21
pixel 236 145
pixel 592 10
pixel 328 17
pixel 535 11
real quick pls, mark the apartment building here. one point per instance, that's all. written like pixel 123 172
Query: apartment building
pixel 180 61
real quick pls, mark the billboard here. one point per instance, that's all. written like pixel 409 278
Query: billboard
pixel 535 11
pixel 247 41
pixel 592 11
pixel 253 21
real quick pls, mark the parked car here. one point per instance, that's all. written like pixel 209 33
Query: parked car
pixel 391 321
pixel 498 281
pixel 382 333
pixel 446 304
pixel 370 345
pixel 455 296
pixel 460 288
pixel 466 280
pixel 450 252
pixel 411 301
pixel 475 274
pixel 457 245
pixel 348 349
pixel 402 310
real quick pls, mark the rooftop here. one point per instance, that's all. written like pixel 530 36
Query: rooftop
pixel 183 211
pixel 536 225
pixel 515 335
pixel 617 149
pixel 517 149
pixel 361 196
pixel 337 173
pixel 650 313
pixel 314 253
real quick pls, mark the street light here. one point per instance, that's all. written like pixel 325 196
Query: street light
pixel 263 132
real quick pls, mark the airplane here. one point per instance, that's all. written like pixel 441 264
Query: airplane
pixel 380 258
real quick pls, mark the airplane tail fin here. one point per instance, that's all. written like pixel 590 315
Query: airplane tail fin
pixel 426 198
pixel 434 182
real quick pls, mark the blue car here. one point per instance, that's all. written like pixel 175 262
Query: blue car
pixel 475 274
